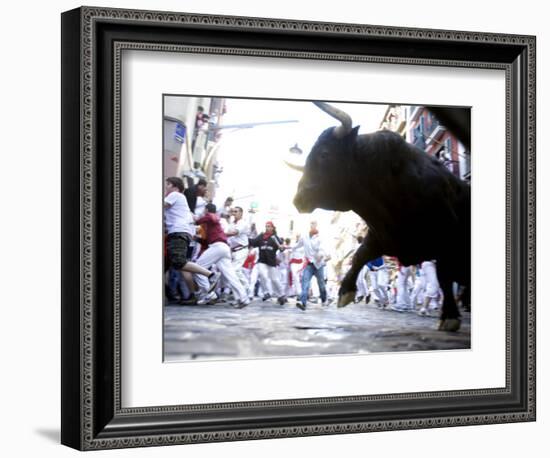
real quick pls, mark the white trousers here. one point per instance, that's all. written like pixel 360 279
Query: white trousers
pixel 219 254
pixel 432 283
pixel 403 298
pixel 417 295
pixel 284 270
pixel 379 285
pixel 361 283
pixel 296 270
pixel 238 258
pixel 270 279
pixel 253 279
pixel 383 280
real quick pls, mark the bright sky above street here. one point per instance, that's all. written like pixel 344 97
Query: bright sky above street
pixel 253 158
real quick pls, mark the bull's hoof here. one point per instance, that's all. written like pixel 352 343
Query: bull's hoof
pixel 449 325
pixel 346 298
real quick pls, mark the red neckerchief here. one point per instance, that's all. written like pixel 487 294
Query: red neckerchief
pixel 267 235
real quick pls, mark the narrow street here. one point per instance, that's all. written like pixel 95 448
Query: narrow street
pixel 269 330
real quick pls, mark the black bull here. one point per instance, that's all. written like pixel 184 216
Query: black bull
pixel 414 207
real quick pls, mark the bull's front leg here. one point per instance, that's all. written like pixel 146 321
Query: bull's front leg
pixel 449 319
pixel 367 251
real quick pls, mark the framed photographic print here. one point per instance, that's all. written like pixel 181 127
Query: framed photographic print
pixel 277 228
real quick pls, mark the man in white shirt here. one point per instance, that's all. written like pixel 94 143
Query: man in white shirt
pixel 315 258
pixel 238 233
pixel 179 224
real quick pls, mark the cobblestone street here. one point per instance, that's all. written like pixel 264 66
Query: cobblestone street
pixel 264 329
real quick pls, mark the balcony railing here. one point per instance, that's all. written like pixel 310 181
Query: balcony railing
pixel 431 128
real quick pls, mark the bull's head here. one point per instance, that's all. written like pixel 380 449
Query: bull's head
pixel 325 179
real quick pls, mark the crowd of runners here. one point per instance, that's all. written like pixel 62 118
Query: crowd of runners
pixel 217 255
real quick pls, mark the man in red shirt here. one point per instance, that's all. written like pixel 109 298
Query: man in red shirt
pixel 218 253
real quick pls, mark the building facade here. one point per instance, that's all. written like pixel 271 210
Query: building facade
pixel 418 126
pixel 427 133
pixel 191 130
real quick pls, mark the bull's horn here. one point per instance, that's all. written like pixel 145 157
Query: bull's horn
pixel 340 115
pixel 299 168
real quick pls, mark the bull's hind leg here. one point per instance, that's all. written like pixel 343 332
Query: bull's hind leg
pixel 367 251
pixel 450 316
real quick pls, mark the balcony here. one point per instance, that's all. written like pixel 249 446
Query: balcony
pixel 432 126
pixel 434 131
